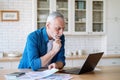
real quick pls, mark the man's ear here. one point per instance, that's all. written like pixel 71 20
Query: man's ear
pixel 47 24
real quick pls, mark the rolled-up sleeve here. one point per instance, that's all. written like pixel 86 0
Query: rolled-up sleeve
pixel 33 52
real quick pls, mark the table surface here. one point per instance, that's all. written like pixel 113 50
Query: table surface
pixel 104 73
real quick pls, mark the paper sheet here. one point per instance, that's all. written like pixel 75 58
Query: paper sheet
pixel 57 77
pixel 38 75
pixel 45 75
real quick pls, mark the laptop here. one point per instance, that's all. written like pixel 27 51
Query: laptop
pixel 89 65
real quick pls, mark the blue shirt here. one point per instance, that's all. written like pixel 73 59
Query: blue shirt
pixel 36 46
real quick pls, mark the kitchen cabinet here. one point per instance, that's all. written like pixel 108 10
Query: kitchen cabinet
pixel 89 17
pixel 106 60
pixel 43 10
pixel 109 62
pixel 9 62
pixel 9 65
pixel 44 7
pixel 5 65
pixel 102 62
pixel 77 63
pixel 69 63
pixel 14 65
pixel 82 17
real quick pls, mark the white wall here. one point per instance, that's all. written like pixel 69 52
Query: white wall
pixel 86 43
pixel 13 34
pixel 113 26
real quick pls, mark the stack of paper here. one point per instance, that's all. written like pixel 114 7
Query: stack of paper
pixel 14 75
pixel 57 77
pixel 43 75
pixel 38 75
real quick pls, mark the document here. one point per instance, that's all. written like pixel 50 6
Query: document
pixel 58 77
pixel 45 75
pixel 30 75
pixel 41 75
pixel 14 75
pixel 38 75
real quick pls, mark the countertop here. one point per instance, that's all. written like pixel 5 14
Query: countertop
pixel 104 73
pixel 6 59
pixel 106 56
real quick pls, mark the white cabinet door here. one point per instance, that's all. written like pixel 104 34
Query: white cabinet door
pixel 74 63
pixel 109 62
pixel 43 10
pixel 68 63
pixel 5 65
pixel 102 62
pixel 78 63
pixel 14 65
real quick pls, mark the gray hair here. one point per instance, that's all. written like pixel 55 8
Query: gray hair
pixel 54 15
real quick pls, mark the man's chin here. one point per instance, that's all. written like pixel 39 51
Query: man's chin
pixel 56 37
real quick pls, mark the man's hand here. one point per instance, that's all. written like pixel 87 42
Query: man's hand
pixel 53 65
pixel 56 45
pixel 57 65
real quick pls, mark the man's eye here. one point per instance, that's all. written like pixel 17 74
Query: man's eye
pixel 59 28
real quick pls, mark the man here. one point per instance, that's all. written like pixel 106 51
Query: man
pixel 45 46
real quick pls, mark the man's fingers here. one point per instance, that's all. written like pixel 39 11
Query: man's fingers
pixel 53 65
pixel 57 37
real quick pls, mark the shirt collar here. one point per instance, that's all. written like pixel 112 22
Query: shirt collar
pixel 45 35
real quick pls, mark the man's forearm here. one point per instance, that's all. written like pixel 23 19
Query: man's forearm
pixel 46 58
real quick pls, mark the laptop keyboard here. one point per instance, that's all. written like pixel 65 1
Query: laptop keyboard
pixel 73 70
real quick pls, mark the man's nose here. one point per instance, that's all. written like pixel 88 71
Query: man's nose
pixel 61 31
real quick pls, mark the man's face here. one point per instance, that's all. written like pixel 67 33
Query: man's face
pixel 56 28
